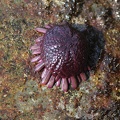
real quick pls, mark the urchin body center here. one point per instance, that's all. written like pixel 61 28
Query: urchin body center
pixel 65 55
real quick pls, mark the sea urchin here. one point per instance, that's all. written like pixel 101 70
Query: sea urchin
pixel 62 54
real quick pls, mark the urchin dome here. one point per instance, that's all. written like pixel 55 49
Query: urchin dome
pixel 65 51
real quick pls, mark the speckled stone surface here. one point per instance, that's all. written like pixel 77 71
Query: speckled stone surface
pixel 22 97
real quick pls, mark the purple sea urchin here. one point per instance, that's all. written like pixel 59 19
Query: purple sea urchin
pixel 63 55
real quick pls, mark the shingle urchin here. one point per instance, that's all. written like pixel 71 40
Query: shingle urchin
pixel 63 55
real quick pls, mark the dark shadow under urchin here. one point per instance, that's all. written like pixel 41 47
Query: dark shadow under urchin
pixel 96 42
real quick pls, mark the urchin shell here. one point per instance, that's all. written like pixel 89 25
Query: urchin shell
pixel 65 51
pixel 65 55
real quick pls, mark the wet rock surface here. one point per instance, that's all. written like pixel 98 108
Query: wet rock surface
pixel 21 96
